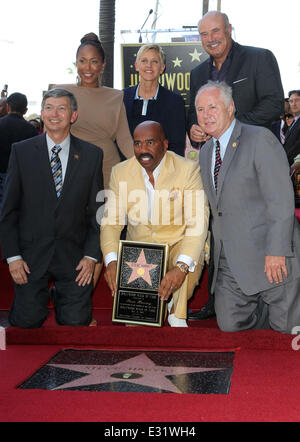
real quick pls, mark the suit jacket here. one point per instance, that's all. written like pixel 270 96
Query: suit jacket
pixel 256 85
pixel 168 110
pixel 13 128
pixel 292 141
pixel 253 213
pixel 169 224
pixel 34 223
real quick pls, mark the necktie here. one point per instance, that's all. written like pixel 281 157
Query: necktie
pixel 218 163
pixel 56 169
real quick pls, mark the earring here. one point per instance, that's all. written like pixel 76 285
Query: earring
pixel 78 80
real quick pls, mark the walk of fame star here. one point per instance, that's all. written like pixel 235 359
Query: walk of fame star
pixel 139 370
pixel 140 269
pixel 135 371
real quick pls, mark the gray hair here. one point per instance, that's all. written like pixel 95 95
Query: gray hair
pixel 225 90
pixel 58 93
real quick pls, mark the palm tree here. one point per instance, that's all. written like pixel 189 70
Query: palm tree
pixel 107 37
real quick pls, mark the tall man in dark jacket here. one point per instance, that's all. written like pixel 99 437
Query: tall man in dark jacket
pixel 253 75
pixel 48 221
pixel 13 128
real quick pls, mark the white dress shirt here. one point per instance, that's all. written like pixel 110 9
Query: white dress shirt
pixel 223 140
pixel 150 191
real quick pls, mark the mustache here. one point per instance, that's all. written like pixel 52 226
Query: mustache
pixel 213 43
pixel 141 155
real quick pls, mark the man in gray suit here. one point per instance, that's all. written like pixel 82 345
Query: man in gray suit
pixel 245 175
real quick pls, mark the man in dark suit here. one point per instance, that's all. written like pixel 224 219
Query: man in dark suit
pixel 13 128
pixel 48 221
pixel 246 179
pixel 256 85
pixel 292 136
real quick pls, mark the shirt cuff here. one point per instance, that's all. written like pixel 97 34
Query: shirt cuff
pixel 112 256
pixel 187 260
pixel 90 257
pixel 13 258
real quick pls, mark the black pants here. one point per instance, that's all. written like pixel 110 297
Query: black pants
pixel 73 304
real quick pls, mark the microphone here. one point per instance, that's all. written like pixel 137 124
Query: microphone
pixel 140 38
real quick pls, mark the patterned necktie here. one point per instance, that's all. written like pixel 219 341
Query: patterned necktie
pixel 56 168
pixel 218 163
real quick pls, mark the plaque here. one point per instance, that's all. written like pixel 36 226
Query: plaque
pixel 140 269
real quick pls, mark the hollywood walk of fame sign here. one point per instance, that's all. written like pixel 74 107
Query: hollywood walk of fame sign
pixel 135 372
pixel 140 269
pixel 181 58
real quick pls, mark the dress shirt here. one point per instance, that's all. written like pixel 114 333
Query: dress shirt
pixel 145 101
pixel 63 154
pixel 220 75
pixel 223 140
pixel 150 192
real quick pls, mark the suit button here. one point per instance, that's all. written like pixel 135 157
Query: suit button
pixel 220 213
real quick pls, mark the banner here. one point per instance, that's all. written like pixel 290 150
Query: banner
pixel 181 58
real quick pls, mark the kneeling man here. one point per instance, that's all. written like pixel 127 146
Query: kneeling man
pixel 246 178
pixel 161 196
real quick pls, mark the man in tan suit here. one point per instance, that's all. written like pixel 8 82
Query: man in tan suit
pixel 160 195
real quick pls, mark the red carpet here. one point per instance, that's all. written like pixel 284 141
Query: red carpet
pixel 264 385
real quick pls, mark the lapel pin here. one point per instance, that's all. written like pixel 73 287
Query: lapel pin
pixel 76 156
pixel 234 144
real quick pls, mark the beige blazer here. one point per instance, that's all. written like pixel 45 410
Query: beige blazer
pixel 180 212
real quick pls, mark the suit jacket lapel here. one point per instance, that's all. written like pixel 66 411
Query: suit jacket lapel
pixel 45 169
pixel 72 166
pixel 235 65
pixel 229 154
pixel 293 127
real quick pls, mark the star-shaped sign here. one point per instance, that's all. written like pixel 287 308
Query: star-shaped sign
pixel 140 370
pixel 177 62
pixel 195 55
pixel 140 269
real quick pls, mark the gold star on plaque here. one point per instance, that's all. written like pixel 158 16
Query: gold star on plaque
pixel 195 55
pixel 177 62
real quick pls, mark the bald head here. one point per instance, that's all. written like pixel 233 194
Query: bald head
pixel 215 15
pixel 151 125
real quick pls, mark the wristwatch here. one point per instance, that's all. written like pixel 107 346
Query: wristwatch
pixel 183 267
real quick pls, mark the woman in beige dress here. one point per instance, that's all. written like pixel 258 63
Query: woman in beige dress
pixel 101 113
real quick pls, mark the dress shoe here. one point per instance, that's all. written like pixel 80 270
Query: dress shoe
pixel 176 322
pixel 206 312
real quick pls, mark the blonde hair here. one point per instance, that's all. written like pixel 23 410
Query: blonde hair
pixel 152 47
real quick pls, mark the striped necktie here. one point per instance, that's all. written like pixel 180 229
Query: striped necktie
pixel 218 163
pixel 56 169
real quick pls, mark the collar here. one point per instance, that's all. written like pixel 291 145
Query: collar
pixel 65 144
pixel 137 97
pixel 225 137
pixel 229 55
pixel 156 171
